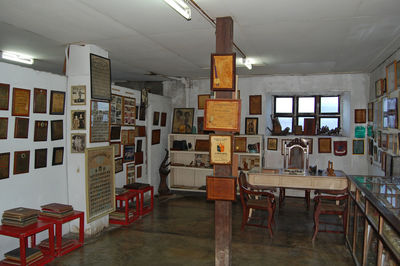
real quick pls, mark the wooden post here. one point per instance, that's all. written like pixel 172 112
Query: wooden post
pixel 223 208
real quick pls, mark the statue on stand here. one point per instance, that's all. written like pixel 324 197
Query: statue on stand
pixel 163 189
pixel 330 171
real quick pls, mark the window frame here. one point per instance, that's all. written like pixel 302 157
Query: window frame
pixel 331 113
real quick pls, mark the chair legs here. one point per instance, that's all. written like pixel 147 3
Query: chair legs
pixel 245 217
pixel 316 223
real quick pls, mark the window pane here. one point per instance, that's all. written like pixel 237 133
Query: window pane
pixel 300 121
pixel 330 104
pixel 286 122
pixel 306 105
pixel 331 122
pixel 284 105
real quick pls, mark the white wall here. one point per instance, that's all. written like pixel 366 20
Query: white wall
pixel 353 87
pixel 39 186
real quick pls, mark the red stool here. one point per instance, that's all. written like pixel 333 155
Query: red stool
pixel 145 209
pixel 123 199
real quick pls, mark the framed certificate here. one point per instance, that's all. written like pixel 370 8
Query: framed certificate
pixel 391 78
pixel 255 105
pixel 220 149
pixel 100 77
pixel 39 101
pixel 20 102
pixel 4 96
pixel 222 115
pixel 99 121
pixel 201 100
pixel 129 110
pixel 57 102
pixel 223 72
pixel 58 155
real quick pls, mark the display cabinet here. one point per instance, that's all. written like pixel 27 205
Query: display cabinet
pixel 373 228
pixel 190 160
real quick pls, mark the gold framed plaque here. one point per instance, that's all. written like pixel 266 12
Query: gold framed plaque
pixel 220 149
pixel 255 104
pixel 58 155
pixel 78 95
pixel 222 115
pixel 100 77
pixel 4 96
pixel 57 102
pixel 130 173
pixel 391 78
pixel 39 101
pixel 99 121
pixel 201 100
pixel 20 102
pixel 4 165
pixel 3 127
pixel 57 131
pixel 21 128
pixel 223 72
pixel 40 133
pixel 21 162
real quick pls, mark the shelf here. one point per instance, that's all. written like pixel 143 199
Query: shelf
pixel 187 188
pixel 193 168
pixel 248 153
pixel 190 152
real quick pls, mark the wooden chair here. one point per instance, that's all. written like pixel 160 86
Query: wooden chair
pixel 257 198
pixel 330 202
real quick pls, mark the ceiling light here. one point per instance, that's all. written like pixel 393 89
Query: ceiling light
pixel 247 62
pixel 17 57
pixel 181 7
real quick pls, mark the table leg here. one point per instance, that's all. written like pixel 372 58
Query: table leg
pixel 51 240
pixel 59 238
pixel 22 246
pixel 81 229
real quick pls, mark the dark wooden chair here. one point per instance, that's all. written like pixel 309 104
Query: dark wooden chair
pixel 257 198
pixel 330 202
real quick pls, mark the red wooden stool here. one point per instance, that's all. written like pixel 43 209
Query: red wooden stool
pixel 145 209
pixel 131 214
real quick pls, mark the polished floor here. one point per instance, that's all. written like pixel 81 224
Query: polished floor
pixel 180 231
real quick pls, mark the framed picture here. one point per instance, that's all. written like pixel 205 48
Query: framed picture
pixel 131 136
pixel 201 100
pixel 78 142
pixel 272 144
pixel 222 115
pixel 138 158
pixel 163 119
pixel 220 149
pixel 58 155
pixel 125 137
pixel 142 113
pixel 156 118
pixel 20 102
pixel 100 77
pixel 251 126
pixel 324 145
pixel 3 127
pixel 119 166
pixel 155 136
pixel 40 133
pixel 4 96
pixel 139 172
pixel 21 162
pixel 116 113
pixel 130 173
pixel 129 107
pixel 117 148
pixel 99 121
pixel 115 132
pixel 391 78
pixel 129 153
pixel 57 102
pixel 40 101
pixel 247 163
pixel 21 127
pixel 100 182
pixel 137 112
pixel 200 125
pixel 371 112
pixel 240 144
pixel 398 74
pixel 78 120
pixel 223 72
pixel 57 131
pixel 340 148
pixel 183 120
pixel 255 104
pixel 359 132
pixel 78 95
pixel 4 165
pixel 40 158
pixel 358 146
pixel 360 116
pixel 139 144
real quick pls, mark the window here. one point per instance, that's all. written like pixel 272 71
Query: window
pixel 292 110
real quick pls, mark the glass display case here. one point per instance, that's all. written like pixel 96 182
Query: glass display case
pixel 373 228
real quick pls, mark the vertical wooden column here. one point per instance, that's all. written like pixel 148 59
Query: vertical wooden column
pixel 223 208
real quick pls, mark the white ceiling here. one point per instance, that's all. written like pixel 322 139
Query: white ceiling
pixel 142 36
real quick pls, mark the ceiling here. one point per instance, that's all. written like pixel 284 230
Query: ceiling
pixel 143 36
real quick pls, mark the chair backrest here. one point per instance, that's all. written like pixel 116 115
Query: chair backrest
pixel 243 187
pixel 296 155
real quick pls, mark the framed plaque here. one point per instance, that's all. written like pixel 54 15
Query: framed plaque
pixel 360 116
pixel 129 153
pixel 371 112
pixel 142 113
pixel 40 133
pixel 100 182
pixel 78 120
pixel 155 136
pixel 115 132
pixel 99 121
pixel 255 105
pixel 156 118
pixel 3 127
pixel 240 144
pixel 119 166
pixel 138 157
pixel 222 115
pixel 78 95
pixel 58 155
pixel 220 149
pixel 140 131
pixel 21 127
pixel 78 142
pixel 201 100
pixel 139 172
pixel 137 112
pixel 131 136
pixel 358 146
pixel 223 72
pixel 251 126
pixel 324 145
pixel 183 120
pixel 340 147
pixel 40 101
pixel 40 158
pixel 130 173
pixel 117 148
pixel 100 77
pixel 221 188
pixel 129 108
pixel 391 78
pixel 116 110
pixel 20 102
pixel 139 144
pixel 57 102
pixel 21 162
pixel 4 165
pixel 57 131
pixel 125 137
pixel 200 125
pixel 202 145
pixel 398 74
pixel 272 144
pixel 4 96
pixel 163 119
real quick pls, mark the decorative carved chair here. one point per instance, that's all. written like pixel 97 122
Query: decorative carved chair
pixel 257 198
pixel 295 161
pixel 330 202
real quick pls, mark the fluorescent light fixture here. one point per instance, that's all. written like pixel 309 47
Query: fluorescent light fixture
pixel 181 7
pixel 247 62
pixel 17 57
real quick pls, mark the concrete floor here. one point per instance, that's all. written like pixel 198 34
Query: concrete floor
pixel 180 231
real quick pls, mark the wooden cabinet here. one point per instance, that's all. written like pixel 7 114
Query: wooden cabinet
pixel 190 161
pixel 373 228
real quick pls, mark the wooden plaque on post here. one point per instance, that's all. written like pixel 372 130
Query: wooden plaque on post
pixel 222 115
pixel 221 188
pixel 223 72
